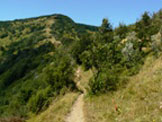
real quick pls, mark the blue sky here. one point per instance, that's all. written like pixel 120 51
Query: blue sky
pixel 82 11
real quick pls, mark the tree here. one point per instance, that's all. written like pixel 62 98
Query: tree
pixel 146 19
pixel 106 26
pixel 143 28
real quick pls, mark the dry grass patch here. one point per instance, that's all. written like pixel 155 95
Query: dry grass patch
pixel 140 101
pixel 58 110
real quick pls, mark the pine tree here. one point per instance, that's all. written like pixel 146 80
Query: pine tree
pixel 106 26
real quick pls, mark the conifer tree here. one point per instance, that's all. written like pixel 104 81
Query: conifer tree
pixel 106 26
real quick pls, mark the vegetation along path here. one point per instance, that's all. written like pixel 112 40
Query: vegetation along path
pixel 77 114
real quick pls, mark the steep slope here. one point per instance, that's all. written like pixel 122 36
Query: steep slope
pixel 34 64
pixel 140 100
pixel 57 110
pixel 68 107
pixel 14 31
pixel 39 58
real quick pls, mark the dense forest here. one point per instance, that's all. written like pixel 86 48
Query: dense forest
pixel 39 57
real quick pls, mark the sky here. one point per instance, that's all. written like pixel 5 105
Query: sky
pixel 82 11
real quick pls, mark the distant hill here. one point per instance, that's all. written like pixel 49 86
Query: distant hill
pixel 57 24
pixel 28 50
pixel 43 59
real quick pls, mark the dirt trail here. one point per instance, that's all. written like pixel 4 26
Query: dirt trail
pixel 77 114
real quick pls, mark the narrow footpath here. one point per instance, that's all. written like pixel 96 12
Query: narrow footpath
pixel 77 114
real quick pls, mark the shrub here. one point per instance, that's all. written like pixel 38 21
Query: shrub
pixel 40 101
pixel 104 81
pixel 157 42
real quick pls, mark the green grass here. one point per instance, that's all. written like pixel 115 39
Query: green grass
pixel 58 110
pixel 82 78
pixel 27 56
pixel 138 101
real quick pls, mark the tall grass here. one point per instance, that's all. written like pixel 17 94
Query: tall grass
pixel 138 101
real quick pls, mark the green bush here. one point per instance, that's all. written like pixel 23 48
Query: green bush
pixel 40 101
pixel 104 81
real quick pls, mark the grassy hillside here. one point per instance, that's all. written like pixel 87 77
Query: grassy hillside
pixel 38 68
pixel 35 66
pixel 58 110
pixel 138 101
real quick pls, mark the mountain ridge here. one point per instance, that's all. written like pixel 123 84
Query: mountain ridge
pixel 39 59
